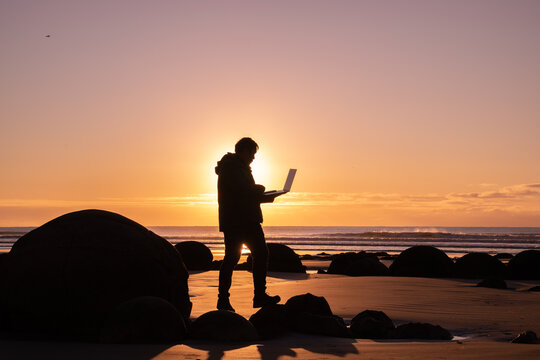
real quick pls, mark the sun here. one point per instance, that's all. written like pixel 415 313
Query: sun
pixel 260 169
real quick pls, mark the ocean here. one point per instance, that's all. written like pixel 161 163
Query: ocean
pixel 455 241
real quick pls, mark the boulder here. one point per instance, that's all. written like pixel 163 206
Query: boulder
pixel 367 266
pixel 311 314
pixel 493 284
pixel 270 321
pixel 223 325
pixel 65 276
pixel 534 288
pixel 421 331
pixel 327 325
pixel 307 303
pixel 371 324
pixel 196 255
pixel 282 258
pixel 526 337
pixel 525 265
pixel 422 261
pixel 504 256
pixel 479 266
pixel 357 264
pixel 144 320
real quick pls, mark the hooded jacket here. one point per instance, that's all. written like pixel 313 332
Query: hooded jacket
pixel 239 197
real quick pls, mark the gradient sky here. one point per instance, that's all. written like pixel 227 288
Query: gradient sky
pixel 420 113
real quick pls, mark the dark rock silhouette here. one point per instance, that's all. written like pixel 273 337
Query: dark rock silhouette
pixel 327 325
pixel 421 331
pixel 282 258
pixel 371 324
pixel 479 266
pixel 223 325
pixel 307 303
pixel 534 288
pixel 525 265
pixel 196 255
pixel 422 261
pixel 357 264
pixel 311 314
pixel 64 277
pixel 504 256
pixel 146 319
pixel 526 337
pixel 270 321
pixel 493 283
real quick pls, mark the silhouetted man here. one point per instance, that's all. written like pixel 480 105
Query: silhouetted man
pixel 240 219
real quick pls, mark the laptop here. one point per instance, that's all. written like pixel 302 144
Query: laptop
pixel 286 187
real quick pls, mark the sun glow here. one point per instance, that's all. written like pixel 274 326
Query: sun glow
pixel 260 169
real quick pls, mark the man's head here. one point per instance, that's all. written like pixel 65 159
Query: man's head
pixel 246 148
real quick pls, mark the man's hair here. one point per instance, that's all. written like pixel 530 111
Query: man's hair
pixel 244 144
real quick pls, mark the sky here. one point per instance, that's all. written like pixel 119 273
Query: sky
pixel 405 113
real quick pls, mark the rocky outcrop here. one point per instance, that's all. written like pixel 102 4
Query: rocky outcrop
pixel 422 261
pixel 144 320
pixel 196 255
pixel 64 277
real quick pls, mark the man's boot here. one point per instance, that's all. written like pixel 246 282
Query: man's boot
pixel 262 299
pixel 224 304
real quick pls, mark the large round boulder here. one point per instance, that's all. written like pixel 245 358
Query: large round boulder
pixel 525 265
pixel 479 266
pixel 270 321
pixel 63 277
pixel 196 255
pixel 422 261
pixel 144 320
pixel 357 264
pixel 282 258
pixel 223 325
pixel 311 314
pixel 372 324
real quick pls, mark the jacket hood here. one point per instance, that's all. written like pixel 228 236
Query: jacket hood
pixel 229 160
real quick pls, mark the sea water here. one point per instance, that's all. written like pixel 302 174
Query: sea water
pixel 334 239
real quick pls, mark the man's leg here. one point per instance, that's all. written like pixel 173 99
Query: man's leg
pixel 259 253
pixel 233 250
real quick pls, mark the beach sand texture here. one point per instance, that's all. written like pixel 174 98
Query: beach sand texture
pixel 483 321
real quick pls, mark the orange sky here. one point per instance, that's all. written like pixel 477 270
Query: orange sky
pixel 421 113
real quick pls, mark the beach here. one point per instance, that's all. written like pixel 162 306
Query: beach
pixel 483 321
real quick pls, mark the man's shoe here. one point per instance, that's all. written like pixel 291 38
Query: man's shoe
pixel 265 299
pixel 224 304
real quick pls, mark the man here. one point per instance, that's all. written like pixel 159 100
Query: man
pixel 240 219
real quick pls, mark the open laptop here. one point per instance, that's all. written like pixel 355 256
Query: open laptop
pixel 286 187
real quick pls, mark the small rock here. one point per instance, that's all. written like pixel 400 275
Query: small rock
pixel 527 337
pixel 371 324
pixel 223 325
pixel 421 331
pixel 270 321
pixel 493 283
pixel 535 288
